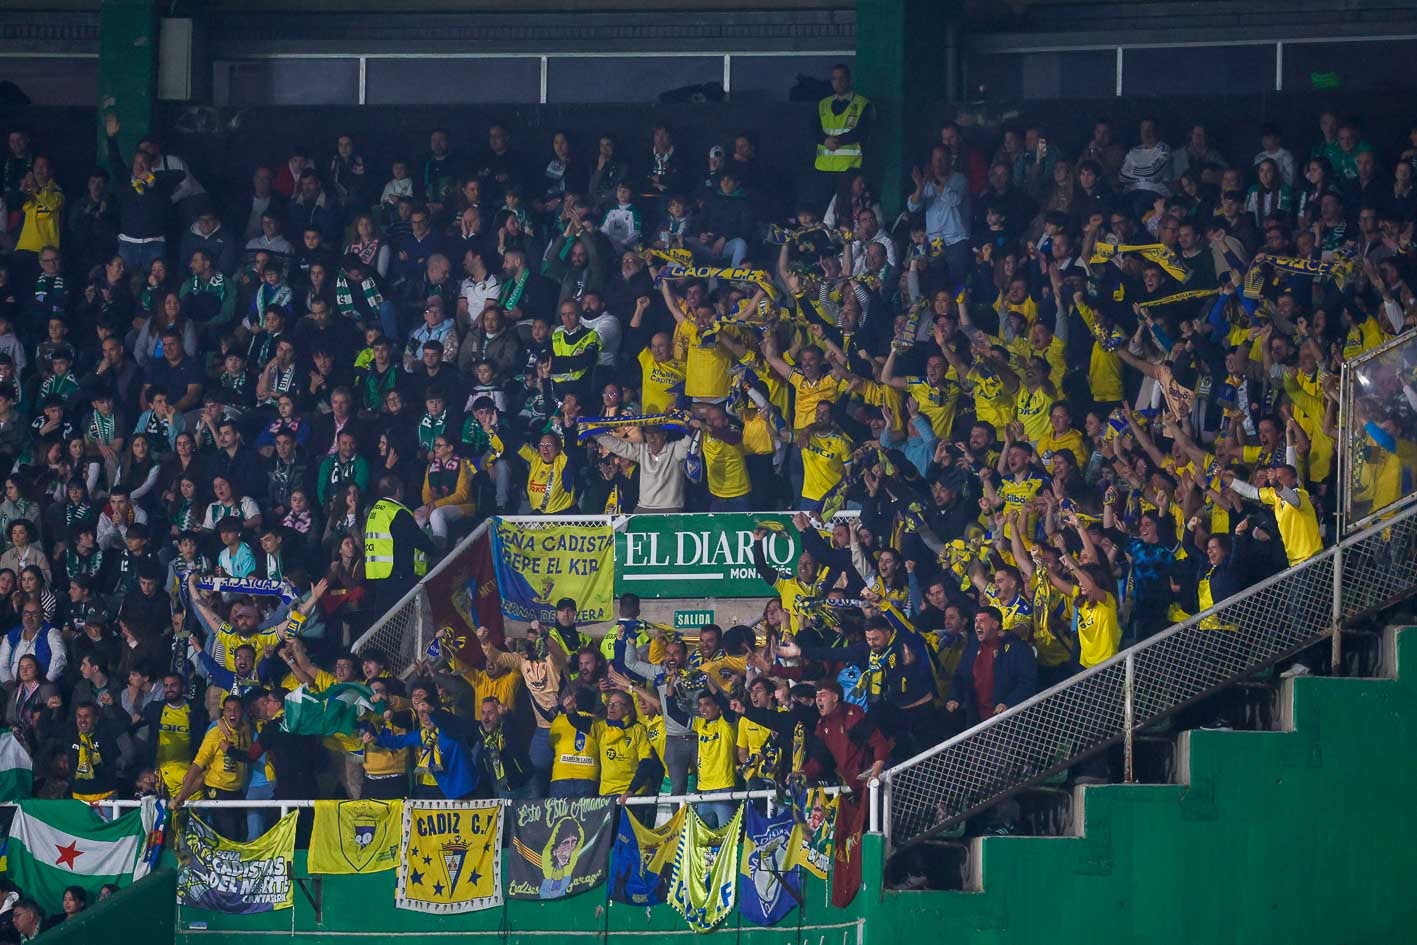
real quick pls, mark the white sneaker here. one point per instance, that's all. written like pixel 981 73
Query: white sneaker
pixel 1298 669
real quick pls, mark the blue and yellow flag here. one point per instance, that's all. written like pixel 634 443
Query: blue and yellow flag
pixel 356 836
pixel 641 858
pixel 768 887
pixel 451 860
pixel 705 883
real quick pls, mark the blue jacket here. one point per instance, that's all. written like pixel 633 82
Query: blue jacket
pixel 1015 675
pixel 457 777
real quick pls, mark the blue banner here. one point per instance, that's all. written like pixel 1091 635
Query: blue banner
pixel 767 888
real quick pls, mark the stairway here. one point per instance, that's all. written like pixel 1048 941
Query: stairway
pixel 1292 826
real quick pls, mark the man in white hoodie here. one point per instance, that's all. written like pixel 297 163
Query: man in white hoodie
pixel 661 468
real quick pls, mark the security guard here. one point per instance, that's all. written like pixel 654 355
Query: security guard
pixel 575 349
pixel 843 119
pixel 395 548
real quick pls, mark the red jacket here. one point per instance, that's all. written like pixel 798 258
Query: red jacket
pixel 833 734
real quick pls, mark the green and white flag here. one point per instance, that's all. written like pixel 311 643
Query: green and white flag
pixel 331 712
pixel 54 844
pixel 16 771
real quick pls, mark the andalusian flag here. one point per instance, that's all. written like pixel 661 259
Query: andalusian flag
pixel 54 844
pixel 331 712
pixel 16 771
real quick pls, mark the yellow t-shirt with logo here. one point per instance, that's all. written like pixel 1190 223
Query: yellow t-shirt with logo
pixel 723 464
pixel 542 475
pixel 751 739
pixel 705 363
pixel 718 756
pixel 219 770
pixel 621 751
pixel 657 382
pixel 809 394
pixel 1099 631
pixel 1032 409
pixel 1298 527
pixel 992 402
pixel 574 755
pixel 1071 440
pixel 937 404
pixel 824 463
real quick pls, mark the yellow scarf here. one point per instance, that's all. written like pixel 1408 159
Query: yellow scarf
pixel 1152 252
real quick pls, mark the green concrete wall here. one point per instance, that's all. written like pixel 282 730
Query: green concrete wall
pixel 140 913
pixel 1302 837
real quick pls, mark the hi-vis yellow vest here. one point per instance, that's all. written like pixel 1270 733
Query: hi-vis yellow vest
pixel 566 349
pixel 379 542
pixel 847 156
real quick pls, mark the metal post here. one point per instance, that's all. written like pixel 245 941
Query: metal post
pixel 1335 656
pixel 886 824
pixel 875 802
pixel 1128 716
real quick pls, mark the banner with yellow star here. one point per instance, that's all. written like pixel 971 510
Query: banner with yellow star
pixel 451 857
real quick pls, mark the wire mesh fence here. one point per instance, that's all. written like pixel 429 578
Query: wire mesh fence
pixel 1378 429
pixel 1051 731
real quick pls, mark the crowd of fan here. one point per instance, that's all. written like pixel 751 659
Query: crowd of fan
pixel 1052 458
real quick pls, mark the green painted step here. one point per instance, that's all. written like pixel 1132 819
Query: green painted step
pixel 1302 837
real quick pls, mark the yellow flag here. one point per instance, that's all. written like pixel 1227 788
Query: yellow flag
pixel 451 858
pixel 356 836
pixel 814 834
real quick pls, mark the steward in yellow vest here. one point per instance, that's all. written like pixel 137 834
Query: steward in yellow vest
pixel 395 548
pixel 842 118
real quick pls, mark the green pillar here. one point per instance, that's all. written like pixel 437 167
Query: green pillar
pixel 904 55
pixel 127 69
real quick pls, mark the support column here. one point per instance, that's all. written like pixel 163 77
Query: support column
pixel 127 69
pixel 904 56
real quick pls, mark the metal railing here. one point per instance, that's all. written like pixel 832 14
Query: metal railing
pixel 1270 621
pixel 1379 387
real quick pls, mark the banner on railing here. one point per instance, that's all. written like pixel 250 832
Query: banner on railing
pixel 241 878
pixel 537 566
pixel 642 859
pixel 451 859
pixel 768 887
pixel 704 888
pixel 815 832
pixel 355 836
pixel 560 846
pixel 699 555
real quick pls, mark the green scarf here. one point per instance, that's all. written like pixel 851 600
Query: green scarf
pixel 344 296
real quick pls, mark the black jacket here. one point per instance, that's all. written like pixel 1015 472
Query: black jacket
pixel 141 215
pixel 728 216
pixel 1015 675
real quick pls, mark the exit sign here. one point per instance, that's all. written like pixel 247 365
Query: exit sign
pixel 691 619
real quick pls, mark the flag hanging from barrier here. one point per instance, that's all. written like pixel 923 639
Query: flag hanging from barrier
pixel 462 596
pixel 814 813
pixel 537 566
pixel 356 836
pixel 451 857
pixel 54 844
pixel 705 883
pixel 241 878
pixel 768 885
pixel 560 846
pixel 642 857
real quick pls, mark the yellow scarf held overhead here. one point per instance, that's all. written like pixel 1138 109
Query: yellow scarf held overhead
pixel 1152 252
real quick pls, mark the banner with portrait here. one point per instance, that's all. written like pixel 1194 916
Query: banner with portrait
pixel 560 846
pixel 814 832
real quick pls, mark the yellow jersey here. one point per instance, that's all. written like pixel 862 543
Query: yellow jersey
pixel 824 461
pixel 661 382
pixel 548 486
pixel 751 739
pixel 706 363
pixel 718 756
pixel 1032 408
pixel 621 751
pixel 219 770
pixel 1071 440
pixel 575 755
pixel 723 463
pixel 1099 631
pixel 992 402
pixel 1298 526
pixel 810 393
pixel 937 404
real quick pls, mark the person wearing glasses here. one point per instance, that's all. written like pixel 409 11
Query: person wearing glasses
pixel 33 637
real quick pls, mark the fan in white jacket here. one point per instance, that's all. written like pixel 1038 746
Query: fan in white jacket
pixel 661 468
